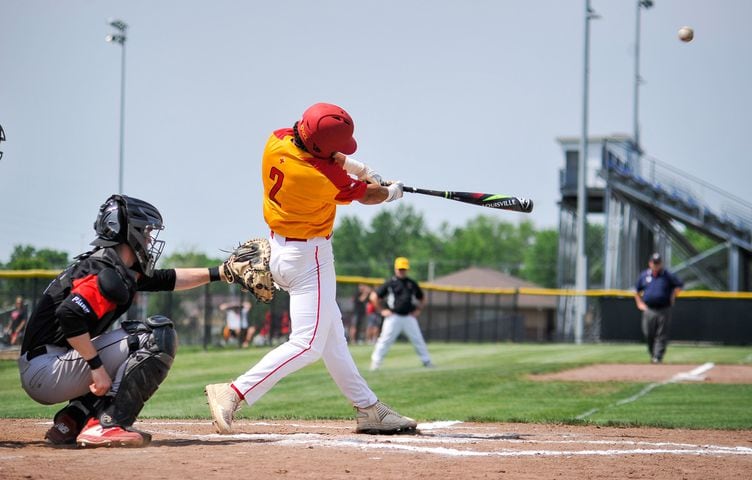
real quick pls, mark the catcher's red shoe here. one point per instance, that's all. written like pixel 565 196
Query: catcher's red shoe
pixel 95 435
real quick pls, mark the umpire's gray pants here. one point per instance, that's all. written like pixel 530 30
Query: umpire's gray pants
pixel 655 328
pixel 62 374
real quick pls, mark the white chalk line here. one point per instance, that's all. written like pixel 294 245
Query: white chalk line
pixel 418 444
pixel 696 374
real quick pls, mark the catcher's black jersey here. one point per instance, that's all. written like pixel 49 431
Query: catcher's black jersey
pixel 88 296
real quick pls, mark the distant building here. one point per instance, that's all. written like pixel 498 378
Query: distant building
pixel 457 312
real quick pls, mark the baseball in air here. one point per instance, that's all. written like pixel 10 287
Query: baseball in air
pixel 686 34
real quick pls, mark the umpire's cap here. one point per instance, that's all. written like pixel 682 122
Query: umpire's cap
pixel 656 258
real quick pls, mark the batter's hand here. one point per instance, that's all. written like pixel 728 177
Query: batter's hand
pixel 101 381
pixel 395 191
pixel 371 176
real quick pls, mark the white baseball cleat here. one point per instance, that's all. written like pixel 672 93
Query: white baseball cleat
pixel 223 403
pixel 379 418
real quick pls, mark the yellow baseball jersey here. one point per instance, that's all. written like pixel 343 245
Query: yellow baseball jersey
pixel 301 192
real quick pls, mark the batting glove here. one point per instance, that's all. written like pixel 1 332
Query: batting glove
pixel 362 171
pixel 394 191
pixel 371 176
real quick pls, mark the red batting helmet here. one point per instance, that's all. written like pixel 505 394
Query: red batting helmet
pixel 325 129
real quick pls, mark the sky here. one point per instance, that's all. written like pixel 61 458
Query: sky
pixel 457 95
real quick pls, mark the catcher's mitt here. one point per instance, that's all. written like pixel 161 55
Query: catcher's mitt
pixel 248 266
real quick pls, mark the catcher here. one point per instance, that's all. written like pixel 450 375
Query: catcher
pixel 70 353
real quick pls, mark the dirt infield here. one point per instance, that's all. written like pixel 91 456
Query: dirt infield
pixel 189 449
pixel 330 450
pixel 708 373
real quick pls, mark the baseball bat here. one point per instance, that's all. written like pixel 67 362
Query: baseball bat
pixel 489 200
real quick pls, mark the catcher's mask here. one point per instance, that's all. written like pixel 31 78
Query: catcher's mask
pixel 325 129
pixel 123 219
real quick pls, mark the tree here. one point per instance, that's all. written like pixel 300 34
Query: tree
pixel 540 259
pixel 190 259
pixel 174 303
pixel 594 249
pixel 488 242
pixel 371 251
pixel 26 257
pixel 351 247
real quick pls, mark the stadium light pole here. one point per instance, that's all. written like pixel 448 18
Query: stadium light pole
pixel 120 37
pixel 581 261
pixel 637 78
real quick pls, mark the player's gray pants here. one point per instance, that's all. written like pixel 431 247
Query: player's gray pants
pixel 655 328
pixel 392 327
pixel 62 374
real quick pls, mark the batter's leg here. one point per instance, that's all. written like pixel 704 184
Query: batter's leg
pixel 343 370
pixel 313 308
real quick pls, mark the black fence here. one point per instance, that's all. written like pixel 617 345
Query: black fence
pixel 715 320
pixel 451 315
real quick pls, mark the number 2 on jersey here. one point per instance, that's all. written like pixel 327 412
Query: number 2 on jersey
pixel 277 175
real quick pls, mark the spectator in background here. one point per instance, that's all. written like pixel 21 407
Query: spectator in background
pixel 236 322
pixel 358 322
pixel 275 329
pixel 656 293
pixel 402 300
pixel 373 321
pixel 14 331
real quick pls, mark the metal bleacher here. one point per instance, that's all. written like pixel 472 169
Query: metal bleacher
pixel 647 205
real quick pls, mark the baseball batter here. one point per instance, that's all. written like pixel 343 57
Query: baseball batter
pixel 70 353
pixel 306 175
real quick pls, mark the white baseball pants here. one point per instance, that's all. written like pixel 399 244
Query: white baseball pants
pixel 390 330
pixel 305 269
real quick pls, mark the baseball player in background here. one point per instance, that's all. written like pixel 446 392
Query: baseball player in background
pixel 401 300
pixel 70 353
pixel 306 175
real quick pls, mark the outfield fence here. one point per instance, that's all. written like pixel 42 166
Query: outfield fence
pixel 452 314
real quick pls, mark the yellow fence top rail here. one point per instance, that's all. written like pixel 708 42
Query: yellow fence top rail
pixel 556 292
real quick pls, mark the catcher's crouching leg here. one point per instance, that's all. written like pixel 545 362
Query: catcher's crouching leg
pixel 142 373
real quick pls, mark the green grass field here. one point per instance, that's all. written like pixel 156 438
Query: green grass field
pixel 472 382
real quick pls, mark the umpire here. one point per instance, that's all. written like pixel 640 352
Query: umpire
pixel 656 293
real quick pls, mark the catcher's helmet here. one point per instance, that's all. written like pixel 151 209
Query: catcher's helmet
pixel 123 219
pixel 325 129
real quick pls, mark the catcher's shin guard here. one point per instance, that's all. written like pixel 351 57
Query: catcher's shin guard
pixel 145 370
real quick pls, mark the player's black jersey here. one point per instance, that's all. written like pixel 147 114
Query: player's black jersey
pixel 88 296
pixel 400 294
